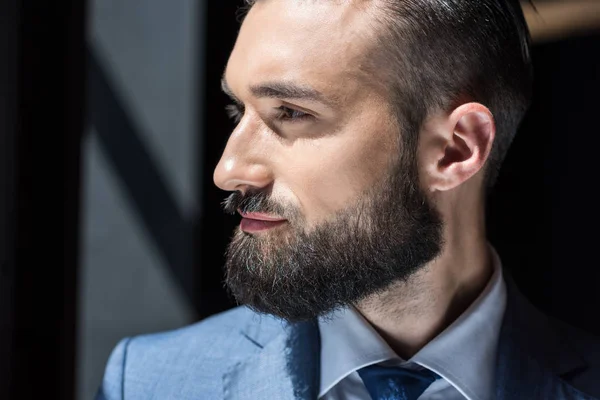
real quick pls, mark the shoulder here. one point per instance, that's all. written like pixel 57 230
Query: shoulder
pixel 157 364
pixel 585 343
pixel 587 346
pixel 565 351
pixel 229 331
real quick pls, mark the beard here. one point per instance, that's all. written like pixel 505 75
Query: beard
pixel 386 236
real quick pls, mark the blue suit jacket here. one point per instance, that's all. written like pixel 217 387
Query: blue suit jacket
pixel 245 356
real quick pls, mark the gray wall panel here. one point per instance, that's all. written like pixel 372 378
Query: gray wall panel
pixel 149 53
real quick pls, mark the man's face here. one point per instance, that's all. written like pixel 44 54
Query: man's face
pixel 317 149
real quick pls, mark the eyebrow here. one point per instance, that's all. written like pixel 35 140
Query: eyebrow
pixel 280 90
pixel 227 90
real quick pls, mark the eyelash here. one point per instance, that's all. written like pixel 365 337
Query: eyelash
pixel 235 112
pixel 284 114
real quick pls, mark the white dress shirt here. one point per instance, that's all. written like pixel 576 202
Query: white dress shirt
pixel 464 354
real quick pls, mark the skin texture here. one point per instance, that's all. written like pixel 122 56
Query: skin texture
pixel 322 163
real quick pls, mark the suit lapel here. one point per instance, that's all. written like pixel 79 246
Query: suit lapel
pixel 532 356
pixel 286 368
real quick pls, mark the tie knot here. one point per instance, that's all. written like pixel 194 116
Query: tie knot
pixel 395 383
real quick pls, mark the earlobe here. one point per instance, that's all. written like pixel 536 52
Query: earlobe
pixel 467 147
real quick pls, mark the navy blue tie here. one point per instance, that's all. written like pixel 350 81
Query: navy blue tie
pixel 394 383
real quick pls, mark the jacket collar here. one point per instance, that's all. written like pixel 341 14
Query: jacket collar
pixel 532 357
pixel 287 367
pixel 532 354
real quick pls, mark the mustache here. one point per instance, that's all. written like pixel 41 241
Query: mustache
pixel 253 202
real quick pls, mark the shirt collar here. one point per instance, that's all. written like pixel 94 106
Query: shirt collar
pixel 464 354
pixel 348 343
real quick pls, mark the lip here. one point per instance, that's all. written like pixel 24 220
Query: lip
pixel 254 225
pixel 261 217
pixel 258 222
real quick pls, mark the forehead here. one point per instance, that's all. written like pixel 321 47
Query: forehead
pixel 317 42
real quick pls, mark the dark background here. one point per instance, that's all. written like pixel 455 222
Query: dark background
pixel 542 215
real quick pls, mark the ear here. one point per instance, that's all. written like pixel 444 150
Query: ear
pixel 458 146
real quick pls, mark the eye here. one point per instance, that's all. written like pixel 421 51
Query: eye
pixel 235 112
pixel 288 114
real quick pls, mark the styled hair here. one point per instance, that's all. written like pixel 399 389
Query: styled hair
pixel 434 55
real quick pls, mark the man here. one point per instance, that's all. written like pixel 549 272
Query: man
pixel 368 133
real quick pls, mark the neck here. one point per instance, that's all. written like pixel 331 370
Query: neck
pixel 409 314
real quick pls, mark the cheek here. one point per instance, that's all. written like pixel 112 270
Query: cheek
pixel 331 175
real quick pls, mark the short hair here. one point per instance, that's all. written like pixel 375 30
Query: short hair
pixel 436 54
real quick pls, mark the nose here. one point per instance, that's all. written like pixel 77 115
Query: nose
pixel 243 165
